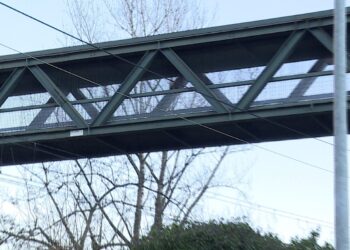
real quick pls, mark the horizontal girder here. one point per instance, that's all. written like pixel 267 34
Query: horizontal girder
pixel 261 81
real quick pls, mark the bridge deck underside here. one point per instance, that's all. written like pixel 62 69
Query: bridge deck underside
pixel 167 137
pixel 219 86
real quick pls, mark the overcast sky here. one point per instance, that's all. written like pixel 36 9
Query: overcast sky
pixel 272 181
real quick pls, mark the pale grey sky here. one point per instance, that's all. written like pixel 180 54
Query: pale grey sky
pixel 273 181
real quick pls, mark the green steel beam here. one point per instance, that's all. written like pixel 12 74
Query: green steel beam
pixel 179 84
pixel 89 107
pixel 58 96
pixel 306 83
pixel 276 62
pixel 185 41
pixel 216 91
pixel 128 84
pixel 48 108
pixel 168 99
pixel 10 84
pixel 323 37
pixel 45 112
pixel 326 40
pixel 190 76
pixel 43 115
pixel 171 91
pixel 177 39
pixel 170 121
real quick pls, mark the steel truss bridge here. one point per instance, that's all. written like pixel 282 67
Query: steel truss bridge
pixel 244 83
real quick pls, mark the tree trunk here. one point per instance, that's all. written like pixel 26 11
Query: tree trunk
pixel 139 201
pixel 159 202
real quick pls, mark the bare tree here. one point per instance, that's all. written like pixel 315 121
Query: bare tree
pixel 111 202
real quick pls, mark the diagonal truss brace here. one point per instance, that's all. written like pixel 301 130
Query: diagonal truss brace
pixel 273 66
pixel 10 84
pixel 217 92
pixel 89 107
pixel 199 85
pixel 128 84
pixel 58 96
pixel 306 83
pixel 165 103
pixel 44 114
pixel 170 99
pixel 326 40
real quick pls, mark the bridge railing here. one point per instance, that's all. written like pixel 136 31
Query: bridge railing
pixel 214 73
pixel 157 98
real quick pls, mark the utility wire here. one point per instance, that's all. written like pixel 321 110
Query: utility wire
pixel 177 115
pixel 217 197
pixel 22 182
pixel 275 212
pixel 209 194
pixel 159 75
pixel 214 195
pixel 260 208
pixel 85 79
pixel 80 40
pixel 20 178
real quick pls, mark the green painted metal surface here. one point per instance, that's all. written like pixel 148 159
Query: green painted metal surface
pixel 252 82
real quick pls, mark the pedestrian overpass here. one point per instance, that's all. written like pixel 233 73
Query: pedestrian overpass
pixel 244 83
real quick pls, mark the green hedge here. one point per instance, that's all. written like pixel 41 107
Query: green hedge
pixel 220 235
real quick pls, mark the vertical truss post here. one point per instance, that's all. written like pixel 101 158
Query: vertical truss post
pixel 276 62
pixel 58 96
pixel 127 85
pixel 191 77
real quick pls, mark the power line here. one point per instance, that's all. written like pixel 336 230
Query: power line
pixel 79 39
pixel 213 195
pixel 22 182
pixel 227 199
pixel 204 126
pixel 177 115
pixel 31 182
pixel 274 212
pixel 157 74
pixel 222 198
